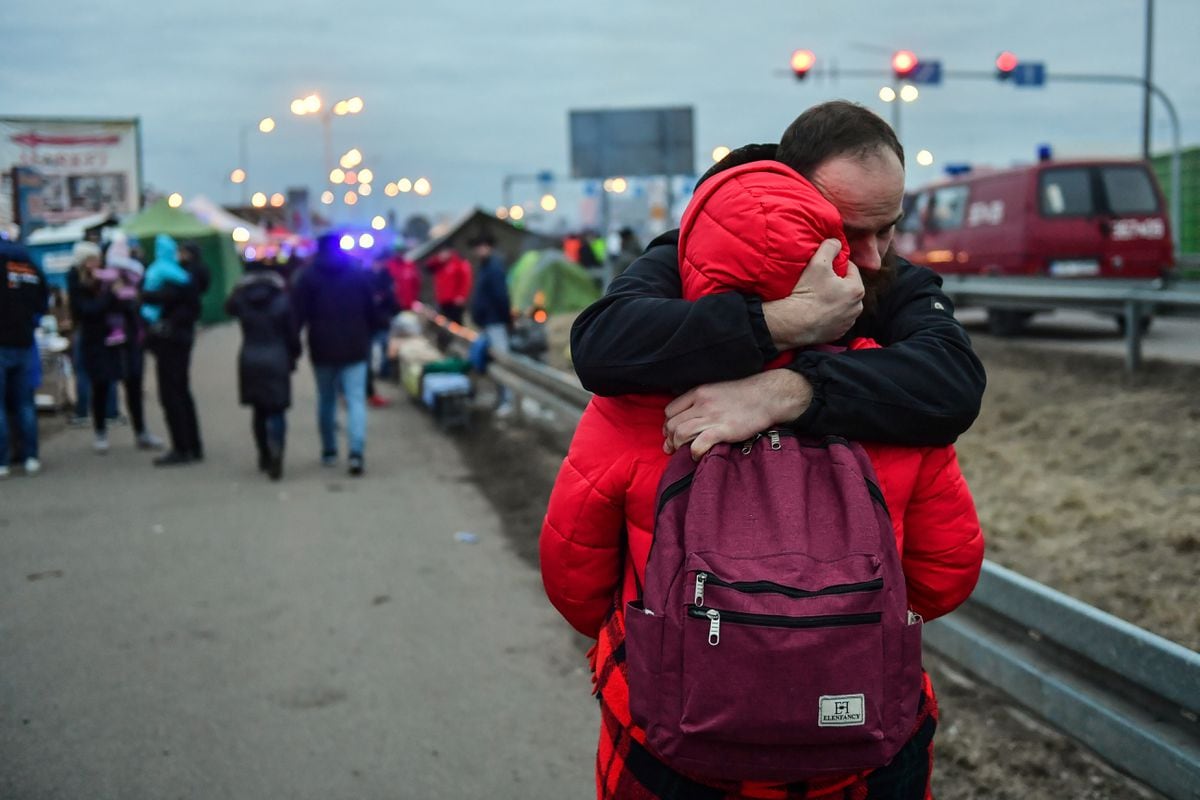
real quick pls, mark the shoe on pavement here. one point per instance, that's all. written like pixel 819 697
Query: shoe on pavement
pixel 328 459
pixel 377 401
pixel 274 462
pixel 505 410
pixel 356 465
pixel 3 471
pixel 32 466
pixel 173 459
pixel 148 441
pixel 100 443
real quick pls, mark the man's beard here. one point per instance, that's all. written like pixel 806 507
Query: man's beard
pixel 876 282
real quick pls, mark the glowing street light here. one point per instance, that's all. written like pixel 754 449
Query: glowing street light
pixel 336 175
pixel 175 200
pixel 925 158
pixel 364 189
pixel 365 175
pixel 354 105
pixel 378 222
pixel 238 176
pixel 366 240
pixel 502 212
pixel 404 185
pixel 258 200
pixel 549 202
pixel 326 197
pixel 351 177
pixel 516 212
pixel 390 189
pixel 350 198
pixel 351 158
pixel 266 125
pixel 241 235
pixel 887 94
pixel 617 185
pixel 719 152
pixel 909 93
pixel 277 200
pixel 422 186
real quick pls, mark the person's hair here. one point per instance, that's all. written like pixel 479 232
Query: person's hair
pixel 835 129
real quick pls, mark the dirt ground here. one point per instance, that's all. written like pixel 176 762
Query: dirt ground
pixel 1084 481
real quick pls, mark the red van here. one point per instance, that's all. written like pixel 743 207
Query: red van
pixel 1064 219
pixel 1061 219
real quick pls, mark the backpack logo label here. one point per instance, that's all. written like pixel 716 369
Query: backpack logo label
pixel 842 710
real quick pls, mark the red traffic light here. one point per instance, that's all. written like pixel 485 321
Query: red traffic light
pixel 1006 62
pixel 903 63
pixel 802 62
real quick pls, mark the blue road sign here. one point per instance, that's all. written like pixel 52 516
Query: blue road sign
pixel 929 72
pixel 1030 73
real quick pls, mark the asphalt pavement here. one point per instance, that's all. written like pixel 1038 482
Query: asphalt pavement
pixel 202 632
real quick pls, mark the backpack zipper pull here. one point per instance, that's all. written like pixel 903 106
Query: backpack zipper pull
pixel 714 626
pixel 774 436
pixel 701 577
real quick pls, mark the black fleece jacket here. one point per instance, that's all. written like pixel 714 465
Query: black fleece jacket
pixel 923 388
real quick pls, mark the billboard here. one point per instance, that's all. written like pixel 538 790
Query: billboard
pixel 632 142
pixel 67 168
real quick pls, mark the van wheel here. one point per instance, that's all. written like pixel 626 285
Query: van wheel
pixel 1143 323
pixel 1005 322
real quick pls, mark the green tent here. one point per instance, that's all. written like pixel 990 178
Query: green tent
pixel 563 286
pixel 216 248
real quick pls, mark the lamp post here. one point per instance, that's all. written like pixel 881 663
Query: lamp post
pixel 312 104
pixel 239 174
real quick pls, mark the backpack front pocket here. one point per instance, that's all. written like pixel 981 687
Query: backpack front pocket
pixel 795 701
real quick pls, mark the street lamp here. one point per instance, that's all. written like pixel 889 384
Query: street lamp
pixel 264 125
pixel 312 104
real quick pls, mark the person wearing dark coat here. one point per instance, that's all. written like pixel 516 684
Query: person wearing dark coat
pixel 171 337
pixel 270 348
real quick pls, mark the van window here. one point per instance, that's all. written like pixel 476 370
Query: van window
pixel 1066 192
pixel 1129 190
pixel 947 208
pixel 914 212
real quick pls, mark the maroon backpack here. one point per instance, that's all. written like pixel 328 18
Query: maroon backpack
pixel 773 639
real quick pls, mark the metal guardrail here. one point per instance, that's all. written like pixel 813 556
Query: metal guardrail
pixel 1132 300
pixel 1130 695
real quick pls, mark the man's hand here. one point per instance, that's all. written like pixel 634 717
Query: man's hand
pixel 821 308
pixel 733 411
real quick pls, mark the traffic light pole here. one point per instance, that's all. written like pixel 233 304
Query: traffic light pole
pixel 1151 89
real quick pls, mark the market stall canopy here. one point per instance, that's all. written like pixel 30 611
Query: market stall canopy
pixel 511 241
pixel 73 231
pixel 208 211
pixel 546 279
pixel 161 218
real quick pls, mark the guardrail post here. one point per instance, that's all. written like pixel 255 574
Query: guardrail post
pixel 1133 336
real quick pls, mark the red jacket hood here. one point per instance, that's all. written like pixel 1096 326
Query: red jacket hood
pixel 752 229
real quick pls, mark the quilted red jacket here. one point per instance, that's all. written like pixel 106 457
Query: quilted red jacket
pixel 749 229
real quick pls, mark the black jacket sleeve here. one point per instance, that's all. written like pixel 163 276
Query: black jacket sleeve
pixel 924 387
pixel 641 337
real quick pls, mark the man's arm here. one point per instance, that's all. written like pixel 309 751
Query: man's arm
pixel 924 387
pixel 642 337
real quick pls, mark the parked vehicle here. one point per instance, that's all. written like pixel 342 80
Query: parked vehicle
pixel 1080 219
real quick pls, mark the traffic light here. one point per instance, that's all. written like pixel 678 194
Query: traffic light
pixel 903 63
pixel 802 62
pixel 1006 63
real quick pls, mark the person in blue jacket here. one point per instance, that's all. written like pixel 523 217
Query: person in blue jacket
pixel 491 308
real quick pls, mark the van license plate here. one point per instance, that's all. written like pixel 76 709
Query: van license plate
pixel 1075 268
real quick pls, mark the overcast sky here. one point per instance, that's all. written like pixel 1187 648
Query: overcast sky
pixel 467 91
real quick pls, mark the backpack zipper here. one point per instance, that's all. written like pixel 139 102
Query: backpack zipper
pixel 675 488
pixel 763 587
pixel 714 617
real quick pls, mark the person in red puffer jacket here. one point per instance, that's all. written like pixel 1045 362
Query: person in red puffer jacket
pixel 750 229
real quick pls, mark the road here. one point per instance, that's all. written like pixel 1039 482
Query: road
pixel 1175 339
pixel 202 632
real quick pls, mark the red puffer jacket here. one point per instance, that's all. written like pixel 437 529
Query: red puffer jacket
pixel 750 229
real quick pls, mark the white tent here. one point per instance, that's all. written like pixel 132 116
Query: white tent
pixel 72 231
pixel 212 214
